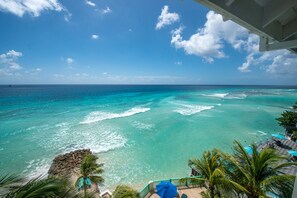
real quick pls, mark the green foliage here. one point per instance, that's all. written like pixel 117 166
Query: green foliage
pixel 38 188
pixel 90 169
pixel 295 106
pixel 288 120
pixel 124 191
pixel 259 173
pixel 213 173
pixel 294 135
pixel 7 180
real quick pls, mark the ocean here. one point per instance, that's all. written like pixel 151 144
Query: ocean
pixel 140 132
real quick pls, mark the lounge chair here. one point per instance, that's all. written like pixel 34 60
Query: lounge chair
pixel 80 184
pixel 88 182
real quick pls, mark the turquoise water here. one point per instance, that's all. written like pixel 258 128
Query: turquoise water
pixel 140 133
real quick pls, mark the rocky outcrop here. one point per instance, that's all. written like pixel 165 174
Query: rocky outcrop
pixel 64 165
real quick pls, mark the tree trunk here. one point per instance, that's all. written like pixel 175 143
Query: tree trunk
pixel 212 189
pixel 85 187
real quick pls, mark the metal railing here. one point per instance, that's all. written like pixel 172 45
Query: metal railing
pixel 178 182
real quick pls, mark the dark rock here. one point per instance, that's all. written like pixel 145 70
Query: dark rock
pixel 64 165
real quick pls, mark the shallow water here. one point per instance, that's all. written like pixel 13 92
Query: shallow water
pixel 141 133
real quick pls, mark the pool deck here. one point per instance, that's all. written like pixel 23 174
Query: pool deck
pixel 193 192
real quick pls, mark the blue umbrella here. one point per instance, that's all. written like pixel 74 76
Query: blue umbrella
pixel 279 136
pixel 166 190
pixel 249 150
pixel 292 152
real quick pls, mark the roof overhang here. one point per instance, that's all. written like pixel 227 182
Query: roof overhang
pixel 275 21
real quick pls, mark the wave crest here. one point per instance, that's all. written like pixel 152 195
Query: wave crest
pixel 98 116
pixel 227 95
pixel 192 109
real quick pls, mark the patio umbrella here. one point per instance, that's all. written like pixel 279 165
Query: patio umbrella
pixel 279 136
pixel 166 190
pixel 249 150
pixel 292 152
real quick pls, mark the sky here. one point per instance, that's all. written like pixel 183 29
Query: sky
pixel 132 42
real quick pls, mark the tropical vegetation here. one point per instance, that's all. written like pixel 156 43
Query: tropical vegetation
pixel 213 173
pixel 89 169
pixel 244 175
pixel 124 191
pixel 288 119
pixel 12 186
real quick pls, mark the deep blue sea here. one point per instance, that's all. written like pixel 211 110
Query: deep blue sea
pixel 139 132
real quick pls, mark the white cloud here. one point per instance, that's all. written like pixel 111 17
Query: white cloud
pixel 34 71
pixel 67 16
pixel 90 3
pixel 95 36
pixel 59 76
pixel 8 63
pixel 166 18
pixel 209 42
pixel 207 46
pixel 14 66
pixel 32 7
pixel 178 63
pixel 69 61
pixel 105 11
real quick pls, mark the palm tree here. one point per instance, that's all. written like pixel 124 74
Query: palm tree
pixel 213 173
pixel 288 120
pixel 294 135
pixel 12 186
pixel 260 173
pixel 124 191
pixel 90 169
pixel 295 107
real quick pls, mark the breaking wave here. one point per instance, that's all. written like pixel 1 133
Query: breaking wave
pixel 97 116
pixel 217 95
pixel 192 109
pixel 227 95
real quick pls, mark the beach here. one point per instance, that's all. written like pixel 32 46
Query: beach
pixel 140 133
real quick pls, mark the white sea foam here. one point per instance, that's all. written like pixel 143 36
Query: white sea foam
pixel 142 126
pixel 236 96
pixel 97 116
pixel 217 95
pixel 36 168
pixel 261 133
pixel 227 95
pixel 1 149
pixel 192 109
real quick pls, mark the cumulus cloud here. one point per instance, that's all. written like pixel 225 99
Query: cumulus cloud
pixel 90 3
pixel 69 61
pixel 32 7
pixel 9 63
pixel 209 42
pixel 166 18
pixel 95 36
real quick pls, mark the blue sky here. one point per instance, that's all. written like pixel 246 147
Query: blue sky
pixel 131 42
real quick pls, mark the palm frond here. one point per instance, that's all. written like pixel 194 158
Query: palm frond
pixel 8 179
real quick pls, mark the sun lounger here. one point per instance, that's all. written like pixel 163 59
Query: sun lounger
pixel 80 184
pixel 88 182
